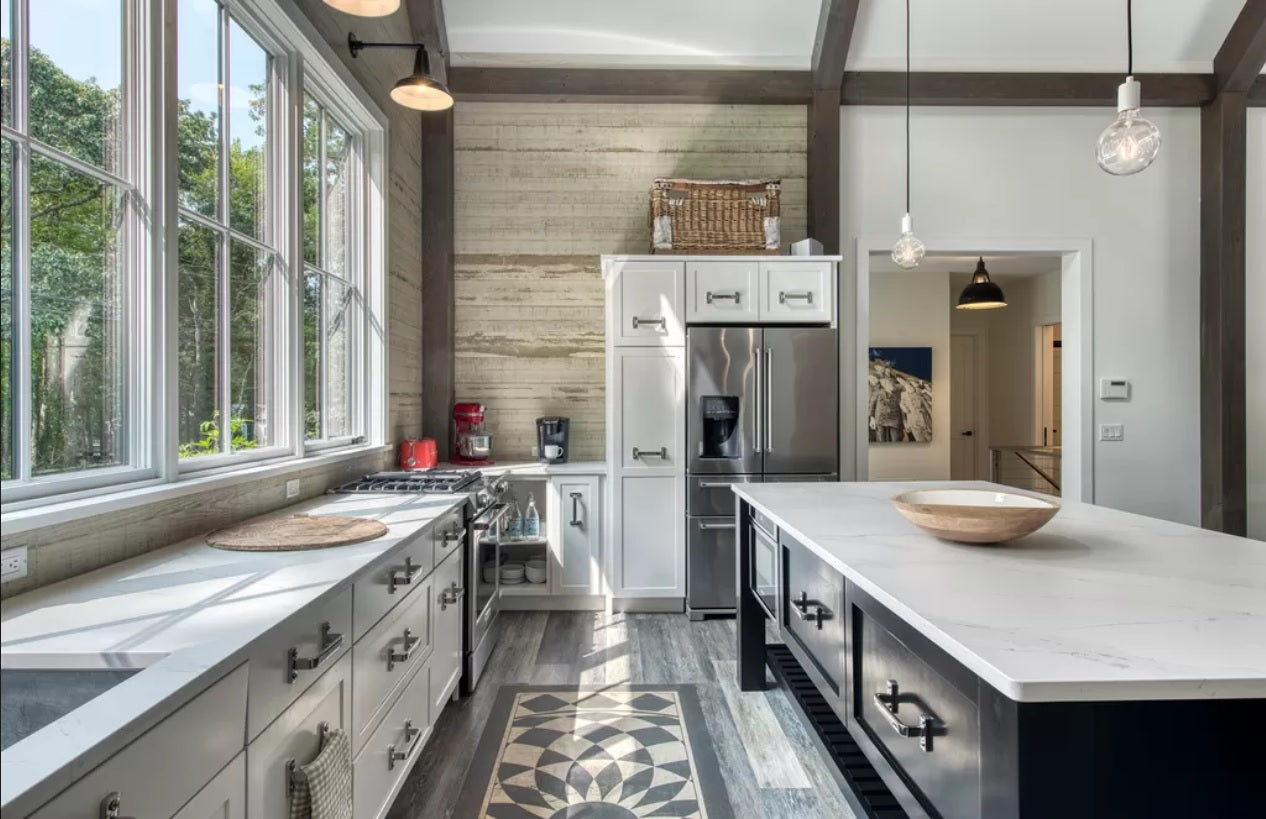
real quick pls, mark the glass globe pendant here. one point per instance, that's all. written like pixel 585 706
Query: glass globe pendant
pixel 908 251
pixel 1130 144
pixel 365 8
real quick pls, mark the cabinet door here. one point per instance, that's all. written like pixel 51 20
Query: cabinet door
pixel 382 765
pixel 651 527
pixel 799 292
pixel 574 543
pixel 652 416
pixel 223 797
pixel 446 660
pixel 648 298
pixel 721 292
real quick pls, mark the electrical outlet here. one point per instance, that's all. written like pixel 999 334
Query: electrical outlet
pixel 534 452
pixel 12 564
pixel 1111 432
pixel 292 489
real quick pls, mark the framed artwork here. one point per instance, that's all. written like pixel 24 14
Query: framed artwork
pixel 900 381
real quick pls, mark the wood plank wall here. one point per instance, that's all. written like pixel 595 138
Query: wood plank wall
pixel 543 190
pixel 68 549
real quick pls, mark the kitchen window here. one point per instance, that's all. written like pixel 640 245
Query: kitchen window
pixel 191 282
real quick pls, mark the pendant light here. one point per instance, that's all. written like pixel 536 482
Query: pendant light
pixel 982 293
pixel 908 250
pixel 1130 144
pixel 419 90
pixel 365 8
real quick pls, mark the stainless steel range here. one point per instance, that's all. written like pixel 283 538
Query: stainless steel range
pixel 479 633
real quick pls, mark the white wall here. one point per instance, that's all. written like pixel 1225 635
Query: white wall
pixel 1030 173
pixel 1255 308
pixel 913 310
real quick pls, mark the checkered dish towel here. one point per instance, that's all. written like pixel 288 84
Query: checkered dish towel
pixel 323 787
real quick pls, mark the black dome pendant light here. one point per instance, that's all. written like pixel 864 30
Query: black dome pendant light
pixel 982 293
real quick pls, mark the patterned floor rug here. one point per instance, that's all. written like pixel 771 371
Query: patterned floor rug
pixel 613 753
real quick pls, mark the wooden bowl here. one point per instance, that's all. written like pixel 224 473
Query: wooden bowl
pixel 975 515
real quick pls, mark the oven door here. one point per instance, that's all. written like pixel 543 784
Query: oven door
pixel 766 579
pixel 485 570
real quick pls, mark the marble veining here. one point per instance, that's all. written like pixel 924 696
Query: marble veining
pixel 1097 605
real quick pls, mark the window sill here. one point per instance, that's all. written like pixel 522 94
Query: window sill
pixel 24 520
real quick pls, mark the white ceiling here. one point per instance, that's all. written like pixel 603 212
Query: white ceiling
pixel 963 35
pixel 1013 267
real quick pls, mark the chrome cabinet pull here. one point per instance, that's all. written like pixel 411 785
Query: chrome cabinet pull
pixel 769 399
pixel 330 643
pixel 660 322
pixel 402 576
pixel 662 452
pixel 451 596
pixel 453 537
pixel 888 702
pixel 734 296
pixel 575 509
pixel 411 736
pixel 410 643
pixel 710 526
pixel 819 615
pixel 804 295
pixel 111 805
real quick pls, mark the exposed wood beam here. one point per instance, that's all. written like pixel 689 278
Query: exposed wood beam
pixel 1240 59
pixel 1036 89
pixel 1223 208
pixel 426 23
pixel 830 45
pixel 628 85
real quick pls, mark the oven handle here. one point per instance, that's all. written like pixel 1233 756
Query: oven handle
pixel 484 521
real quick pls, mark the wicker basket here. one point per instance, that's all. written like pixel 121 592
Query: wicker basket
pixel 694 216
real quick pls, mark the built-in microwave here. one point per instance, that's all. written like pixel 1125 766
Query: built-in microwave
pixel 766 563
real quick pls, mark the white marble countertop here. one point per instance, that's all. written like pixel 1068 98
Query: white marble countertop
pixel 1097 605
pixel 187 614
pixel 535 469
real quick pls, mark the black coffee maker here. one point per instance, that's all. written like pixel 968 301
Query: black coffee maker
pixel 551 439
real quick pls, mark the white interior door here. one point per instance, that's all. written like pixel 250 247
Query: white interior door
pixel 963 441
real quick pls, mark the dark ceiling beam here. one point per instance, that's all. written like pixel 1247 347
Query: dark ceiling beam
pixel 1011 89
pixel 830 44
pixel 822 146
pixel 1257 94
pixel 426 23
pixel 629 85
pixel 1243 54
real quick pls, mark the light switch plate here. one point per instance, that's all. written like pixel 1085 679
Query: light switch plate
pixel 12 564
pixel 292 488
pixel 1111 432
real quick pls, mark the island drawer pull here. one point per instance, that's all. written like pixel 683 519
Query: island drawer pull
pixel 662 452
pixel 785 295
pixel 111 805
pixel 402 576
pixel 819 615
pixel 660 322
pixel 888 702
pixel 575 509
pixel 411 736
pixel 330 643
pixel 410 643
pixel 734 296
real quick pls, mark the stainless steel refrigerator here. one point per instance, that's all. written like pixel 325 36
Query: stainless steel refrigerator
pixel 762 405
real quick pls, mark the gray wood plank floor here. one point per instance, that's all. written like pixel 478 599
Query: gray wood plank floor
pixel 770 767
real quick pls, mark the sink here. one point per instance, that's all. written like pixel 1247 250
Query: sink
pixel 31 698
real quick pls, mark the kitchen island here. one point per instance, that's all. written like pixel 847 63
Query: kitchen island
pixel 1107 665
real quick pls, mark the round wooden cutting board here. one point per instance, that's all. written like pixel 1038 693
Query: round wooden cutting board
pixel 295 533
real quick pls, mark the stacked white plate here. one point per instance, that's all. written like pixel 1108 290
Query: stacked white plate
pixel 512 573
pixel 535 570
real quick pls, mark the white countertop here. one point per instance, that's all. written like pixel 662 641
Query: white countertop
pixel 187 613
pixel 1097 605
pixel 535 469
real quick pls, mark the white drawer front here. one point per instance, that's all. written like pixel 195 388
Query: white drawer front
pixel 168 764
pixel 721 292
pixel 799 292
pixel 385 760
pixel 295 735
pixel 449 534
pixel 385 657
pixel 390 579
pixel 321 635
pixel 649 296
pixel 446 662
pixel 223 797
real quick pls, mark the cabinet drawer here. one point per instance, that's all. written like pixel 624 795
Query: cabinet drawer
pixel 287 660
pixel 386 657
pixel 446 619
pixel 295 735
pixel 814 613
pixel 797 292
pixel 385 760
pixel 897 692
pixel 651 385
pixel 721 292
pixel 188 748
pixel 390 578
pixel 648 299
pixel 449 534
pixel 223 797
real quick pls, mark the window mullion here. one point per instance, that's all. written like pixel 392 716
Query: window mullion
pixel 323 260
pixel 224 354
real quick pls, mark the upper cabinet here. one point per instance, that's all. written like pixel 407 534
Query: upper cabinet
pixel 721 292
pixel 790 291
pixel 647 303
pixel 796 292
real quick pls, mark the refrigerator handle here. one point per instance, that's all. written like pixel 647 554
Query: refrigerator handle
pixel 756 416
pixel 769 399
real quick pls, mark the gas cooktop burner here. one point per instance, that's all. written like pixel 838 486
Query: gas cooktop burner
pixel 449 480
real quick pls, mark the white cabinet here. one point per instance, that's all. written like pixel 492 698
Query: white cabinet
pixel 721 292
pixel 651 527
pixel 650 422
pixel 156 774
pixel 384 762
pixel 575 537
pixel 647 303
pixel 797 291
pixel 386 657
pixel 223 797
pixel 446 616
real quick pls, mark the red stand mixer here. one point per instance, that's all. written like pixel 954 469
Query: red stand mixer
pixel 472 445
